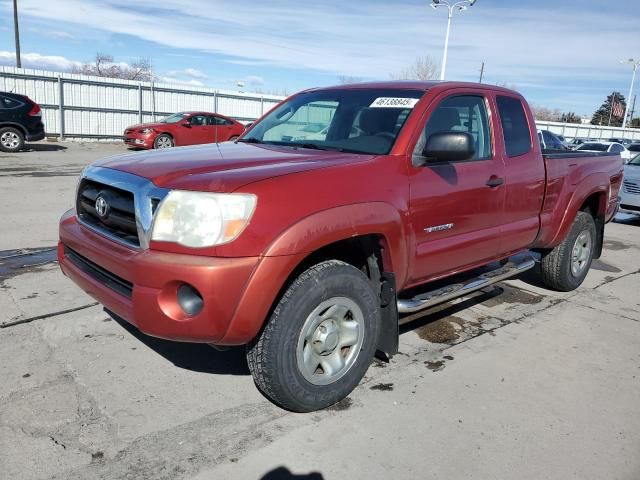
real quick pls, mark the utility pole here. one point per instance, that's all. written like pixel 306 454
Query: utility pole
pixel 633 77
pixel 17 32
pixel 481 72
pixel 633 109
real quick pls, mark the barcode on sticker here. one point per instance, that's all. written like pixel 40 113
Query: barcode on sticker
pixel 392 102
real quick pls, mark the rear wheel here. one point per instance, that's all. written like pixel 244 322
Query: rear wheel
pixel 565 267
pixel 163 141
pixel 320 339
pixel 11 139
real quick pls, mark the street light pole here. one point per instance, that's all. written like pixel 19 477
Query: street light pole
pixel 17 33
pixel 633 78
pixel 462 5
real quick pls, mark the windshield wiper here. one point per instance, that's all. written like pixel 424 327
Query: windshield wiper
pixel 249 140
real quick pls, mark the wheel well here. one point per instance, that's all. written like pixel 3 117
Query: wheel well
pixel 17 126
pixel 355 251
pixel 595 205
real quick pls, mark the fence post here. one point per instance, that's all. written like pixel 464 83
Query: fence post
pixel 261 106
pixel 139 102
pixel 61 108
pixel 215 102
pixel 153 103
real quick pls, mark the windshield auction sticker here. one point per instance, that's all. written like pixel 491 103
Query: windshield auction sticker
pixel 391 102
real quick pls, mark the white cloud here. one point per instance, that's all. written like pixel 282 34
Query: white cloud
pixel 195 73
pixel 254 80
pixel 38 61
pixel 526 43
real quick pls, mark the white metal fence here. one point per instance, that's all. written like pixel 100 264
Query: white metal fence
pixel 80 106
pixel 573 130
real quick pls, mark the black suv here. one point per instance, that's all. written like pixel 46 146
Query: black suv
pixel 20 120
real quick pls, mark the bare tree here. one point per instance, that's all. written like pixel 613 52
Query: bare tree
pixel 347 79
pixel 424 68
pixel 105 66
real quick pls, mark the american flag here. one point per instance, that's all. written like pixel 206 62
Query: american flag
pixel 617 110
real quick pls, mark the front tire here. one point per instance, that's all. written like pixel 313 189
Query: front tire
pixel 565 267
pixel 11 139
pixel 320 339
pixel 163 141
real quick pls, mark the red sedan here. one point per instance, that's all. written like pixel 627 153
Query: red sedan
pixel 184 128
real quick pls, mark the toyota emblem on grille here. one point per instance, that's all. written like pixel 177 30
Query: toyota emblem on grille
pixel 102 207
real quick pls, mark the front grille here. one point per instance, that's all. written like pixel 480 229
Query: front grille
pixel 108 279
pixel 117 219
pixel 630 187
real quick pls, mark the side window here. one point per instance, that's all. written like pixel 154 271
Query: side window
pixel 214 120
pixel 517 138
pixel 198 120
pixel 9 103
pixel 465 113
pixel 615 148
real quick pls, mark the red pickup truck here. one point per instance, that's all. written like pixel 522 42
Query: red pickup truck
pixel 310 236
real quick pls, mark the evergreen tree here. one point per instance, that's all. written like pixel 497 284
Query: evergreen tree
pixel 601 116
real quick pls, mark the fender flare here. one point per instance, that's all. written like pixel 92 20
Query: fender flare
pixel 306 236
pixel 593 184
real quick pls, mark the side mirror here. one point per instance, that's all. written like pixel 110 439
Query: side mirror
pixel 248 125
pixel 448 147
pixel 186 124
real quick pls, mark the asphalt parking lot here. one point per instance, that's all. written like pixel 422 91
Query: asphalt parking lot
pixel 513 382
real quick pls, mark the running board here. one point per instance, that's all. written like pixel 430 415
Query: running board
pixel 515 266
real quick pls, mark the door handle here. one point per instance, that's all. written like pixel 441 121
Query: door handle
pixel 494 181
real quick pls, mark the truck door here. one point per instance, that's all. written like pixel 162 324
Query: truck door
pixel 456 207
pixel 524 177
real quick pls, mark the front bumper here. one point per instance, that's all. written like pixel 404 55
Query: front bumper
pixel 147 296
pixel 139 140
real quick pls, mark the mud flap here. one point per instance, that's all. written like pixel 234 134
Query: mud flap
pixel 389 335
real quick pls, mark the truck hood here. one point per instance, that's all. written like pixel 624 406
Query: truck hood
pixel 224 167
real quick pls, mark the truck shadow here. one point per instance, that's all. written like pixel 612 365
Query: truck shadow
pixel 283 473
pixel 43 147
pixel 197 357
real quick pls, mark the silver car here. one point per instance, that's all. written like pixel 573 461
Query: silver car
pixel 630 193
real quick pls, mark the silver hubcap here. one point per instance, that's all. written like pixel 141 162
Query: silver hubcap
pixel 10 140
pixel 163 142
pixel 330 340
pixel 581 253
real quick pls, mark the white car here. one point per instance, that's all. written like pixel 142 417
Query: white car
pixel 611 147
pixel 630 192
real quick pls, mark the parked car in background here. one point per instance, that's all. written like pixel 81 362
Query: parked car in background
pixel 630 193
pixel 20 120
pixel 550 141
pixel 184 128
pixel 634 147
pixel 623 141
pixel 576 142
pixel 608 147
pixel 307 250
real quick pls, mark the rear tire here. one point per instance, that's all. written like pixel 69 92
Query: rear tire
pixel 320 339
pixel 565 267
pixel 11 139
pixel 163 141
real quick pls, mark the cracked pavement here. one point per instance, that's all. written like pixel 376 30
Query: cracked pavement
pixel 512 382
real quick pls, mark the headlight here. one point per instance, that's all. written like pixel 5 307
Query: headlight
pixel 198 219
pixel 146 130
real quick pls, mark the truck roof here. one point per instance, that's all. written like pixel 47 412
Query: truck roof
pixel 414 85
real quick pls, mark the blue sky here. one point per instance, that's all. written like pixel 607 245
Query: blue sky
pixel 560 54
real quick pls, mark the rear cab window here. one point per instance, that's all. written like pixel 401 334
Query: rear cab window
pixel 515 128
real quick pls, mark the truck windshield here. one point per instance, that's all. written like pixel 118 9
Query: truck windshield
pixel 360 120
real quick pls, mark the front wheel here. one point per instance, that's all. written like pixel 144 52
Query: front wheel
pixel 163 141
pixel 320 339
pixel 565 267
